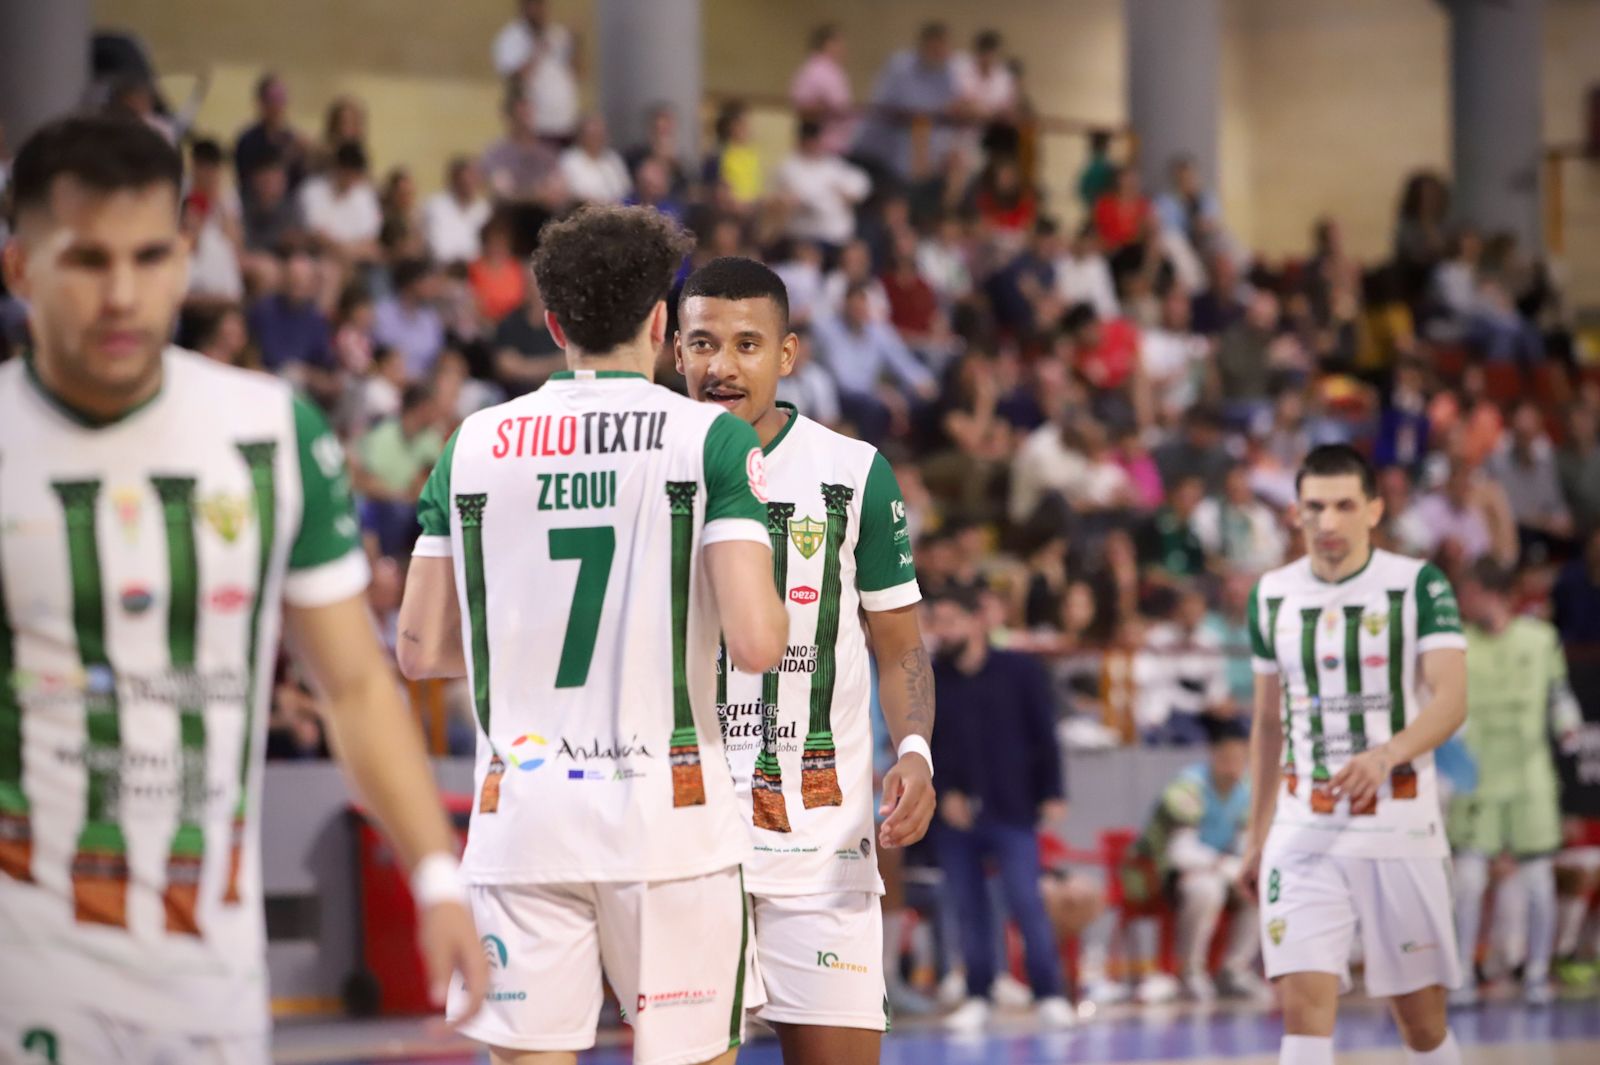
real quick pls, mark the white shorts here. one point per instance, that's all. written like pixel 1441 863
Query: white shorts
pixel 1313 904
pixel 62 1033
pixel 820 959
pixel 676 952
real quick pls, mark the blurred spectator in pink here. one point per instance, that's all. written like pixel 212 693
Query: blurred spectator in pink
pixel 820 89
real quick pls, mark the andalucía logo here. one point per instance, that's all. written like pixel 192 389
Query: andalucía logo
pixel 527 752
pixel 494 951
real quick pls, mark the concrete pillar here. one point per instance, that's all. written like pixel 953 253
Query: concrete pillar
pixel 1497 113
pixel 650 53
pixel 44 62
pixel 1174 60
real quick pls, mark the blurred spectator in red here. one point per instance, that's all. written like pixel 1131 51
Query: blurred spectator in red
pixel 1144 477
pixel 1121 215
pixel 212 219
pixel 542 57
pixel 1005 205
pixel 820 89
pixel 453 216
pixel 499 280
pixel 594 172
pixel 1467 418
pixel 821 191
pixel 914 306
pixel 1106 353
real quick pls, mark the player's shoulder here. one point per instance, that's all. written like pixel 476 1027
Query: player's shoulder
pixel 1285 579
pixel 197 381
pixel 847 458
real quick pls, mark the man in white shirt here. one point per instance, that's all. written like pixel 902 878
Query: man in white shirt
pixel 342 208
pixel 1046 463
pixel 1237 527
pixel 1084 276
pixel 543 57
pixel 453 216
pixel 594 172
pixel 822 189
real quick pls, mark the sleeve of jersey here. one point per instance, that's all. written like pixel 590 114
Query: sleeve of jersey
pixel 326 563
pixel 433 507
pixel 1438 616
pixel 736 483
pixel 885 576
pixel 1262 660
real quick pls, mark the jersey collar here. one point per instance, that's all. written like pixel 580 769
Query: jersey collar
pixel 594 375
pixel 794 416
pixel 1371 554
pixel 83 419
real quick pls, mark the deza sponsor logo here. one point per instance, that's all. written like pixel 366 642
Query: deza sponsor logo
pixel 803 594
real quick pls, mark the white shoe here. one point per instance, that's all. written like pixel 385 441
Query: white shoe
pixel 1197 987
pixel 970 1016
pixel 1056 1012
pixel 1540 993
pixel 1464 997
pixel 952 989
pixel 1009 993
pixel 1245 984
pixel 1105 992
pixel 1157 988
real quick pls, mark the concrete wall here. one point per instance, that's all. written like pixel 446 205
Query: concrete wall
pixel 1327 104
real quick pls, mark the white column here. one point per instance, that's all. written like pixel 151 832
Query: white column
pixel 44 62
pixel 1174 58
pixel 650 52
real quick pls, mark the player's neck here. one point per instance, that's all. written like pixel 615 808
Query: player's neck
pixel 1344 569
pixel 88 405
pixel 770 424
pixel 625 358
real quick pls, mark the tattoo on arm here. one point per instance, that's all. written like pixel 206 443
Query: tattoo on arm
pixel 919 691
pixel 410 636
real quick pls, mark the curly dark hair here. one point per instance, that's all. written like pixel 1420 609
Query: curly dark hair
pixel 602 270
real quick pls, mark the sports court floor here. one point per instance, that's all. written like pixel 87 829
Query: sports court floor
pixel 1504 1033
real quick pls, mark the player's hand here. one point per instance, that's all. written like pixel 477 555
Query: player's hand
pixel 956 809
pixel 450 945
pixel 1249 878
pixel 908 801
pixel 1362 775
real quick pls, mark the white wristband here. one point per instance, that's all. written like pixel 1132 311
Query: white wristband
pixel 436 879
pixel 917 745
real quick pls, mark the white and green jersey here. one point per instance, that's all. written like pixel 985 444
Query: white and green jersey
pixel 574 517
pixel 142 567
pixel 1517 695
pixel 799 738
pixel 1347 656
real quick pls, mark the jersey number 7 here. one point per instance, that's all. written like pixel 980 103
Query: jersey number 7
pixel 592 547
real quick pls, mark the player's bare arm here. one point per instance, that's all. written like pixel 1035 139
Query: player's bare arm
pixel 1266 756
pixel 905 690
pixel 429 644
pixel 376 739
pixel 1443 672
pixel 754 621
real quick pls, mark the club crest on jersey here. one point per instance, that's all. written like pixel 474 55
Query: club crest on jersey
pixel 226 514
pixel 125 503
pixel 1374 623
pixel 807 534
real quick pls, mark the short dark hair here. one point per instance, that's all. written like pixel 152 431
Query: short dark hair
pixel 823 35
pixel 932 31
pixel 809 129
pixel 1334 460
pixel 107 153
pixel 414 396
pixel 350 156
pixel 603 269
pixel 205 152
pixel 1493 577
pixel 733 277
pixel 408 272
pixel 986 41
pixel 967 597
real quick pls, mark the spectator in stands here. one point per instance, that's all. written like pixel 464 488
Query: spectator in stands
pixel 652 187
pixel 988 92
pixel 1189 853
pixel 390 465
pixel 1099 173
pixel 1144 477
pixel 1007 208
pixel 1121 215
pixel 1236 528
pixel 734 163
pixel 914 307
pixel 525 354
pixel 272 217
pixel 1402 528
pixel 1467 418
pixel 1421 233
pixel 1578 466
pixel 341 208
pixel 1168 547
pixel 291 330
pixel 854 268
pixel 1048 469
pixel 521 167
pixel 594 172
pixel 1403 427
pixel 1173 359
pixel 212 219
pixel 269 140
pixel 1223 301
pixel 498 279
pixel 1229 624
pixel 1188 207
pixel 457 393
pixel 542 57
pixel 820 89
pixel 453 216
pixel 1022 293
pixel 344 123
pixel 799 264
pixel 661 147
pixel 407 321
pixel 222 335
pixel 944 260
pixel 915 86
pixel 1575 598
pixel 401 235
pixel 821 191
pixel 1183 677
pixel 1245 359
pixel 809 386
pixel 860 352
pixel 1106 355
pixel 1525 467
pixel 1453 519
pixel 378 391
pixel 1197 451
pixel 1083 275
pixel 994 741
pixel 1454 288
